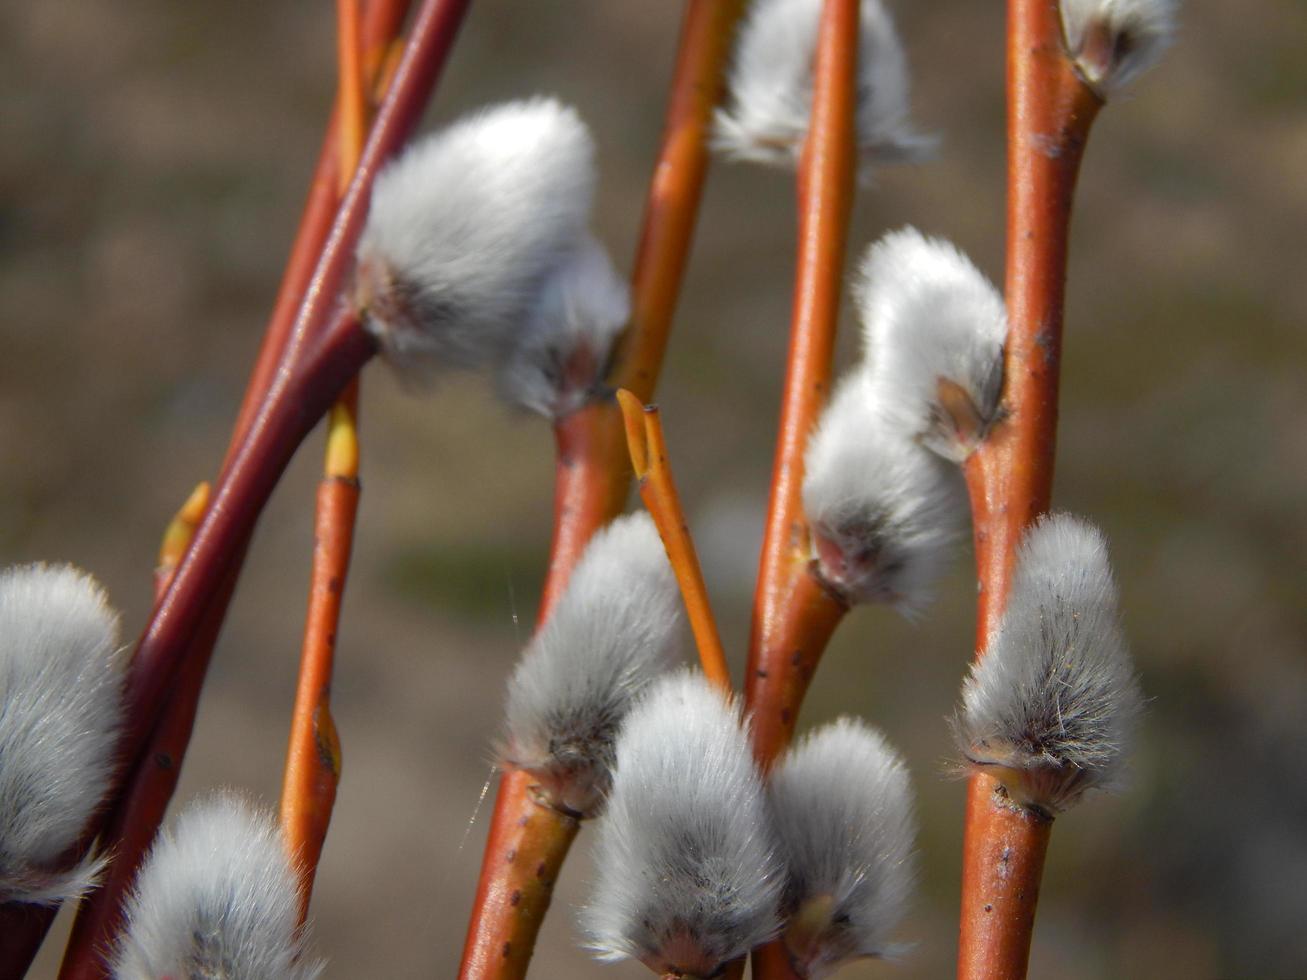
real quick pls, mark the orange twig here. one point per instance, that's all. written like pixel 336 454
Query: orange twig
pixel 352 90
pixel 791 611
pixel 1010 477
pixel 313 756
pixel 794 615
pixel 653 471
pixel 594 469
pixel 592 474
pixel 801 630
pixel 529 841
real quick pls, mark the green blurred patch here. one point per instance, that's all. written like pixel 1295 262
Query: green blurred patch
pixel 477 581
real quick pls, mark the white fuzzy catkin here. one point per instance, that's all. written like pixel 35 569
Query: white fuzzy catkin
pixel 688 876
pixel 770 88
pixel 617 626
pixel 560 356
pixel 61 687
pixel 933 330
pixel 466 227
pixel 884 512
pixel 843 808
pixel 216 898
pixel 1113 42
pixel 1052 704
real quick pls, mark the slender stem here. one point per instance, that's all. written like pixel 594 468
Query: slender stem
pixel 529 840
pixel 315 367
pixel 653 470
pixel 793 615
pixel 132 824
pixel 382 20
pixel 587 493
pixel 1010 477
pixel 825 185
pixel 129 827
pixel 594 469
pixel 593 476
pixel 306 365
pixel 351 89
pixel 1002 864
pixel 313 758
pixel 776 687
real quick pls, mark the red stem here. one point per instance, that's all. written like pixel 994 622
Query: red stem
pixel 316 363
pixel 529 840
pixel 593 469
pixel 587 492
pixel 313 758
pixel 315 368
pixel 1010 478
pixel 382 20
pixel 291 409
pixel 825 185
pixel 130 827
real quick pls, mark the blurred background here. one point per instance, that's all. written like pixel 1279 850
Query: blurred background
pixel 155 160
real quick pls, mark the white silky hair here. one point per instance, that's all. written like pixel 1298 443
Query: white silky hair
pixel 843 807
pixel 770 87
pixel 1055 695
pixel 930 316
pixel 892 510
pixel 688 876
pixel 559 357
pixel 618 626
pixel 465 228
pixel 61 714
pixel 1130 37
pixel 217 899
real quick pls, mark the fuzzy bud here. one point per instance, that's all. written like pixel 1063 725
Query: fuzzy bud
pixel 61 712
pixel 843 809
pixel 217 897
pixel 884 512
pixel 933 330
pixel 1113 42
pixel 771 87
pixel 617 627
pixel 465 229
pixel 688 877
pixel 561 355
pixel 1051 706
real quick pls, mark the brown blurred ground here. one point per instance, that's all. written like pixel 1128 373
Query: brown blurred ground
pixel 153 164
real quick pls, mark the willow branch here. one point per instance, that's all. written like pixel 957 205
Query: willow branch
pixel 1010 477
pixel 382 20
pixel 313 758
pixel 793 616
pixel 594 474
pixel 593 470
pixel 653 474
pixel 323 351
